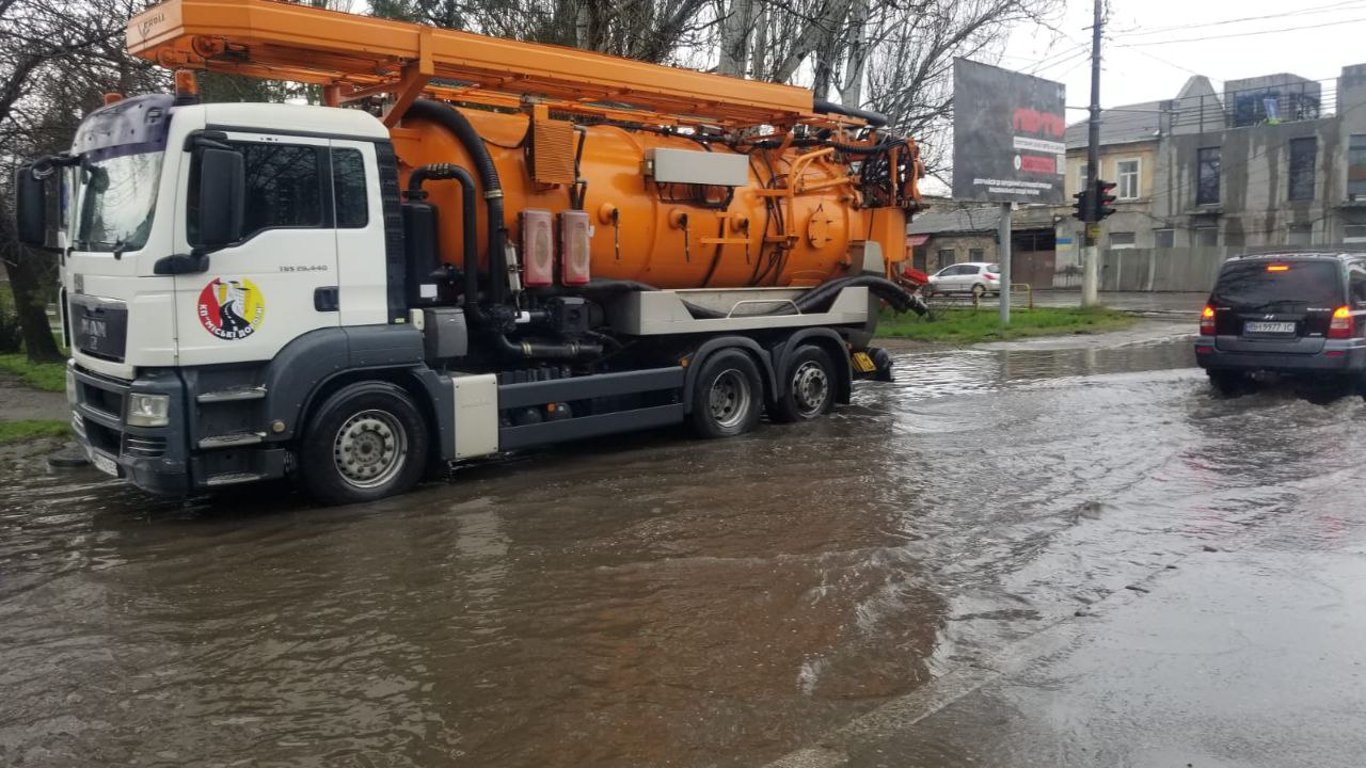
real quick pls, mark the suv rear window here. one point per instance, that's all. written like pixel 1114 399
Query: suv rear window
pixel 1255 284
pixel 993 268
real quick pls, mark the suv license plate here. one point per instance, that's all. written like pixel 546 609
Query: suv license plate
pixel 1261 327
pixel 104 464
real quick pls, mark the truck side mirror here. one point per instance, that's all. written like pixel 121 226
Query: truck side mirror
pixel 30 207
pixel 222 197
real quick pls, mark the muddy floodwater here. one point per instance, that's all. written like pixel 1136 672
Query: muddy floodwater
pixel 645 601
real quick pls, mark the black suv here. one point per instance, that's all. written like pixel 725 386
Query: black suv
pixel 1293 314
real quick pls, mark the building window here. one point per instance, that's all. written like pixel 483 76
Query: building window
pixel 1127 183
pixel 1356 167
pixel 1207 176
pixel 1164 238
pixel 1121 240
pixel 1299 234
pixel 946 257
pixel 1354 233
pixel 1206 236
pixel 1303 153
pixel 976 254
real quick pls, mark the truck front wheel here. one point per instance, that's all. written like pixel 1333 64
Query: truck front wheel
pixel 728 397
pixel 365 442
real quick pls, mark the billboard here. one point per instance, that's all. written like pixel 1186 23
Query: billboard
pixel 1007 136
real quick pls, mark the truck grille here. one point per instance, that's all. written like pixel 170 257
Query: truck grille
pixel 99 327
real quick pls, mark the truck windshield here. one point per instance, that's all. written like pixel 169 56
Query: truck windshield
pixel 1262 285
pixel 116 199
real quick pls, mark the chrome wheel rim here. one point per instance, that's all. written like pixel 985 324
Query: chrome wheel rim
pixel 729 399
pixel 810 388
pixel 370 449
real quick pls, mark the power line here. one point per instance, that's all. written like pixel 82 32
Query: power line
pixel 1337 23
pixel 1339 6
pixel 1059 61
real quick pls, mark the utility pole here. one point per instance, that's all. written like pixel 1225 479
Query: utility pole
pixel 1090 276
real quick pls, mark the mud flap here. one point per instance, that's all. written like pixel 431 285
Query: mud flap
pixel 874 364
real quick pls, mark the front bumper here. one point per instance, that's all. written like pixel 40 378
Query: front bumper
pixel 155 459
pixel 1345 356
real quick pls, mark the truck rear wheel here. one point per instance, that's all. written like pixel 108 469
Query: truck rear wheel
pixel 728 397
pixel 810 382
pixel 365 442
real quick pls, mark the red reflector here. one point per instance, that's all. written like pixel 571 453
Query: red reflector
pixel 1334 353
pixel 538 248
pixel 575 241
pixel 1278 268
pixel 1203 350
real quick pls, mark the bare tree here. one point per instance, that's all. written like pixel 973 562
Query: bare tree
pixel 909 64
pixel 56 58
pixel 648 30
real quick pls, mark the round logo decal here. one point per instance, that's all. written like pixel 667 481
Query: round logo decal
pixel 231 309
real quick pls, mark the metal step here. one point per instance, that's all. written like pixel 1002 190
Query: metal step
pixel 233 478
pixel 233 440
pixel 232 395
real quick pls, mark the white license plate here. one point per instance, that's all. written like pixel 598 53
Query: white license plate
pixel 1257 326
pixel 104 464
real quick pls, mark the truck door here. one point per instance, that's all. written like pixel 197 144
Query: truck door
pixel 362 269
pixel 280 280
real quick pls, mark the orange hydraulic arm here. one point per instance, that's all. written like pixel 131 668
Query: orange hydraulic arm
pixel 356 57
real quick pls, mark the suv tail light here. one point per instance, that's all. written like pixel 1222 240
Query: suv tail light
pixel 1343 325
pixel 1207 320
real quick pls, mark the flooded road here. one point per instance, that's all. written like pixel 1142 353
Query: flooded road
pixel 645 601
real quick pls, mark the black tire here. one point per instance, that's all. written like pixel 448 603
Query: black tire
pixel 1228 383
pixel 365 442
pixel 978 291
pixel 728 396
pixel 809 381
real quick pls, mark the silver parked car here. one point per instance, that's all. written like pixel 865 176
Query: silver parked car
pixel 976 277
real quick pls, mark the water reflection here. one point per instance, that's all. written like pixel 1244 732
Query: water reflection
pixel 646 600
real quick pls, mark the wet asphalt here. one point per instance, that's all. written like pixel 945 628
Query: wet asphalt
pixel 1035 553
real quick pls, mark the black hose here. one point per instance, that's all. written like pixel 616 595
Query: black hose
pixel 451 119
pixel 901 299
pixel 469 231
pixel 547 350
pixel 875 119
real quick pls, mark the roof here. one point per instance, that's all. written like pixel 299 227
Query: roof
pixel 1121 125
pixel 1310 254
pixel 983 219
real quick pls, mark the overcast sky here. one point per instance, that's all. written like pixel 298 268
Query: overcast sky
pixel 1153 46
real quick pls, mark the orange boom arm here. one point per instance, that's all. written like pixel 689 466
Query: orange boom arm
pixel 359 56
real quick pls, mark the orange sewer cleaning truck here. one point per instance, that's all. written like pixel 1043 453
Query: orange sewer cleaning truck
pixel 472 246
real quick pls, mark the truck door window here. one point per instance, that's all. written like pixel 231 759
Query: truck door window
pixel 283 188
pixel 348 188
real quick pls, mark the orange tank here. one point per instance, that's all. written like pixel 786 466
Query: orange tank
pixel 791 224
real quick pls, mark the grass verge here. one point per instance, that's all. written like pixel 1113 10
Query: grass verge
pixel 969 326
pixel 19 431
pixel 50 377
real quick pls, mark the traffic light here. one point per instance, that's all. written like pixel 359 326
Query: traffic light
pixel 1105 197
pixel 1082 206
